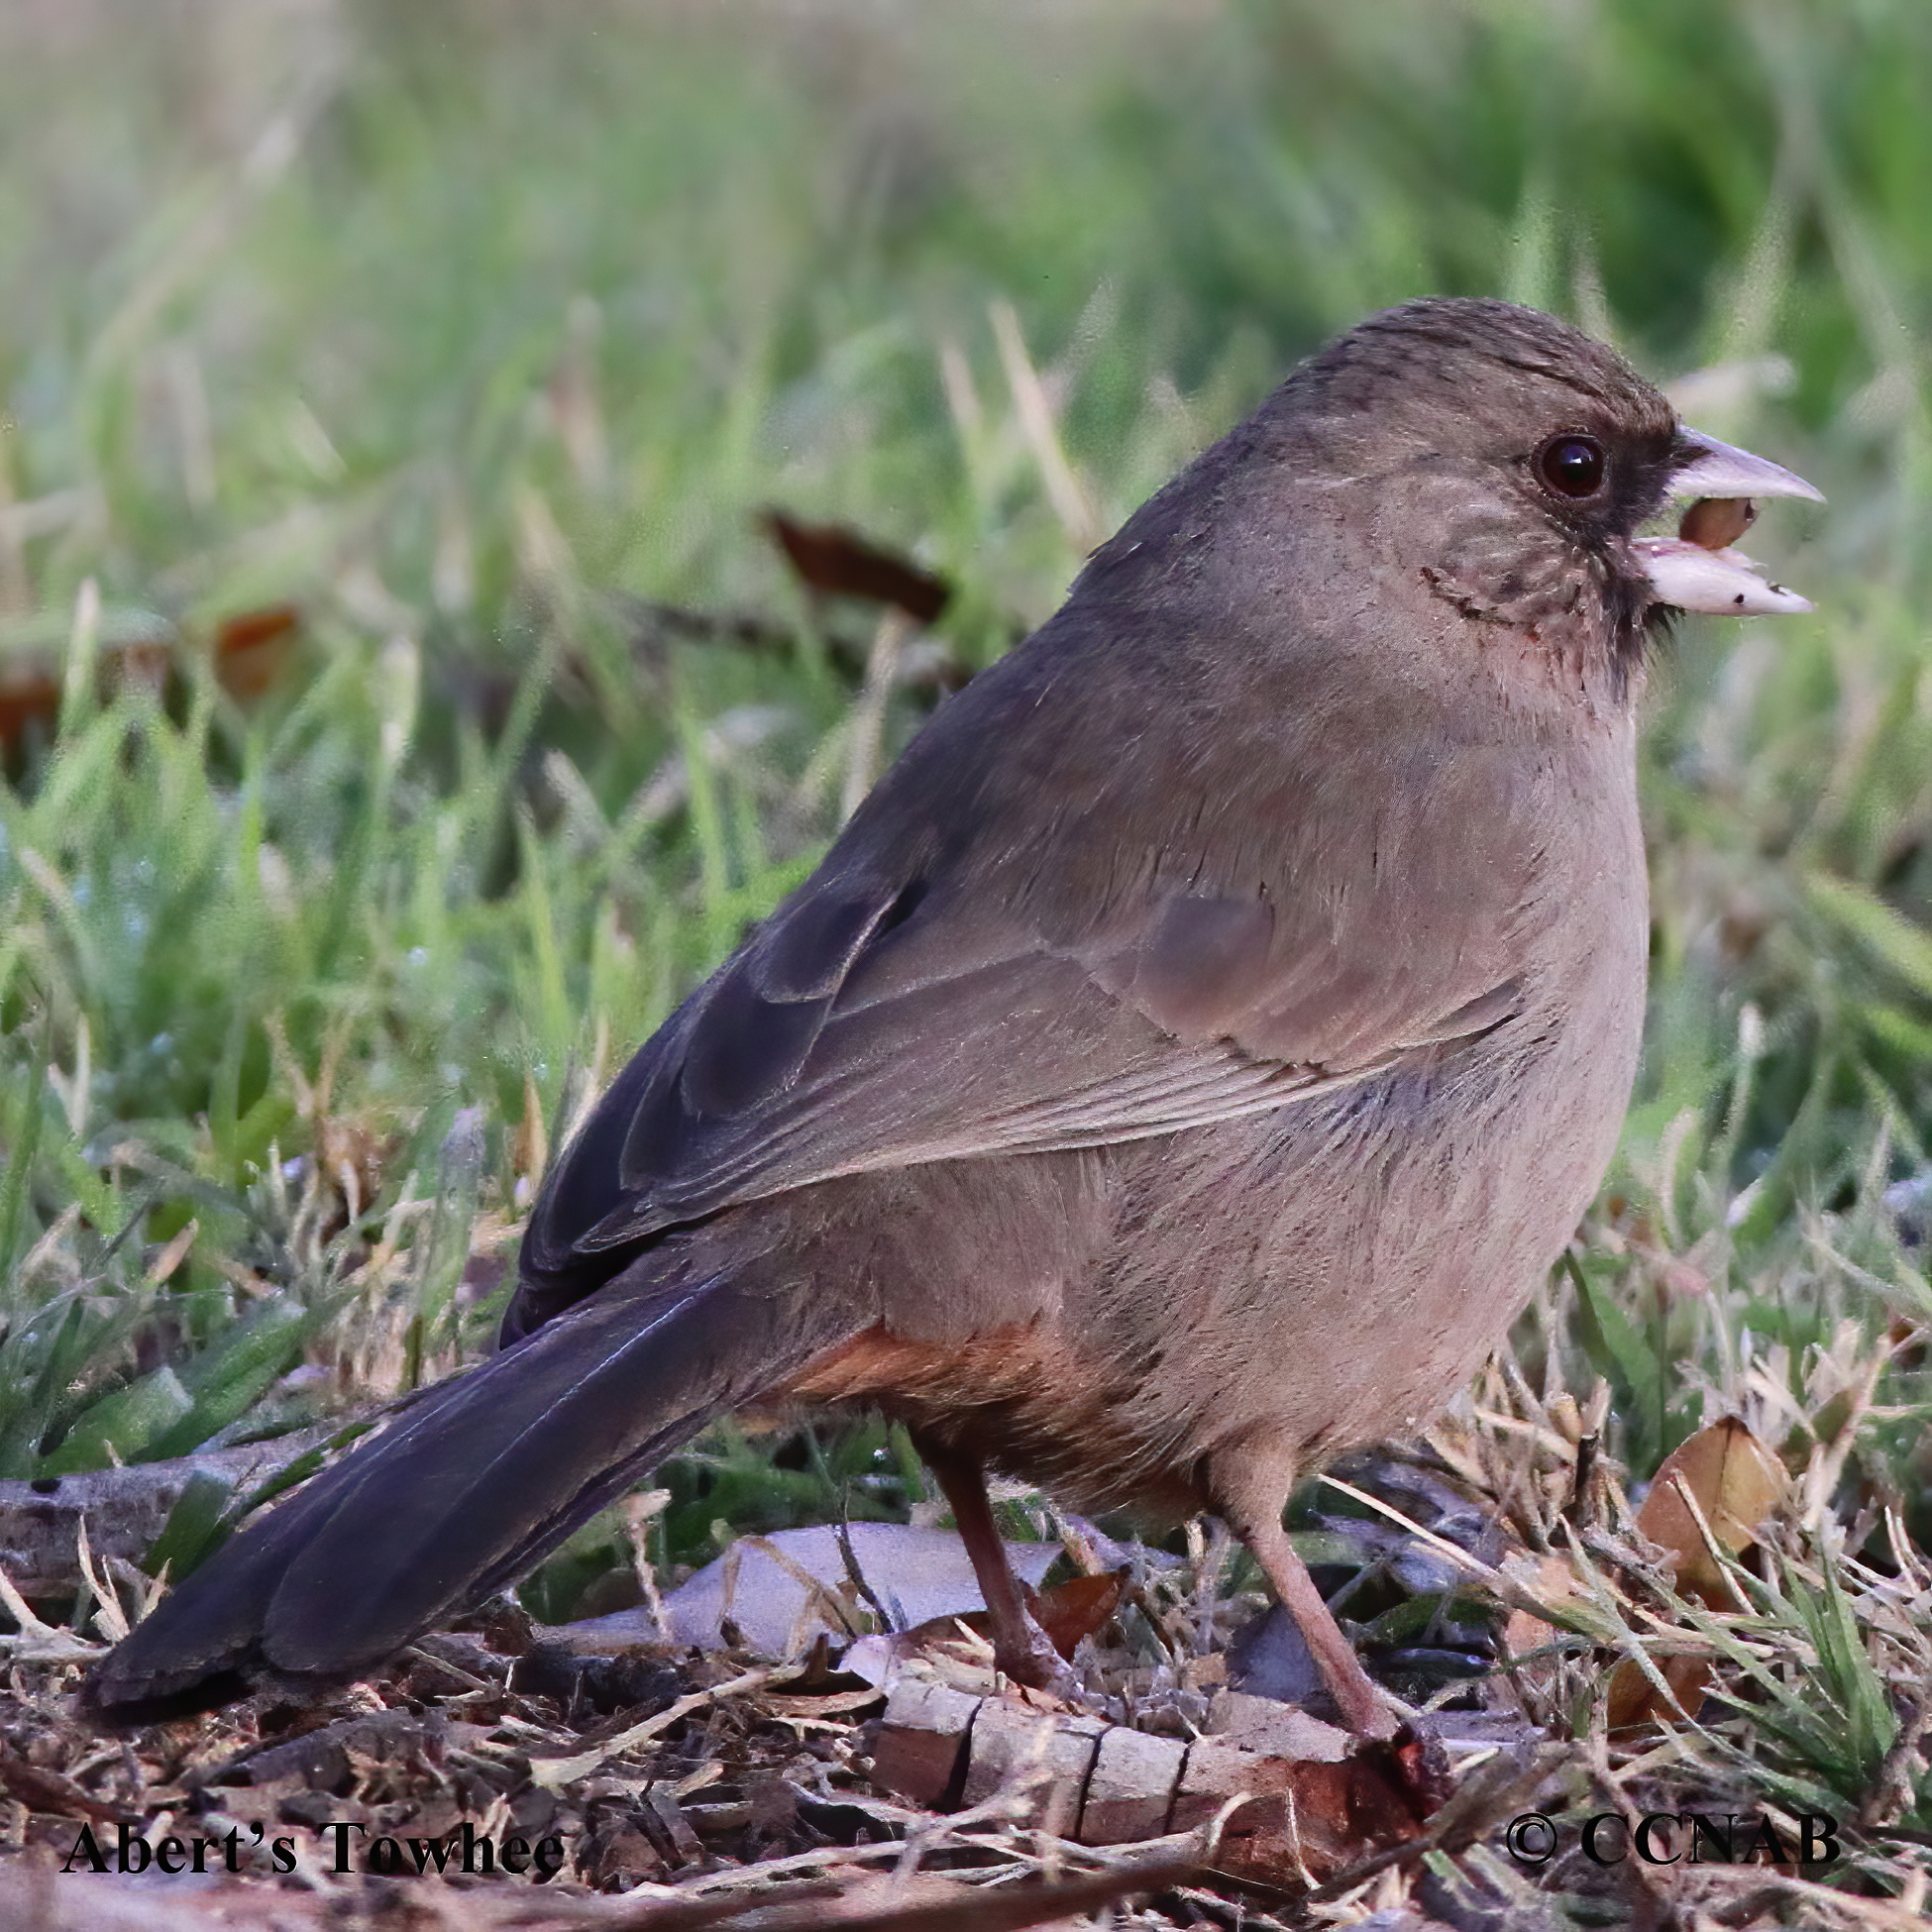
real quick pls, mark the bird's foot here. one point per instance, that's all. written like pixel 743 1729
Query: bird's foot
pixel 1028 1655
pixel 1416 1764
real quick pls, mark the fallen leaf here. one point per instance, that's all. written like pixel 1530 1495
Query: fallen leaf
pixel 1726 1478
pixel 780 1590
pixel 250 649
pixel 139 651
pixel 1067 1612
pixel 1078 1608
pixel 1735 1483
pixel 1524 1631
pixel 835 561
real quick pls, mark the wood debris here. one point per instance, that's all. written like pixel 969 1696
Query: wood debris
pixel 1277 1819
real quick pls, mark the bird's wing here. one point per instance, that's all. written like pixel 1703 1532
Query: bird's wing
pixel 877 1022
pixel 1134 879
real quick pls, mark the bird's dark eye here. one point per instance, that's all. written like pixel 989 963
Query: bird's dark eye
pixel 1571 466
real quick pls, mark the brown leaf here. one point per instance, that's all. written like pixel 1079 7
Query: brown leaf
pixel 1078 1608
pixel 1726 1475
pixel 250 649
pixel 29 695
pixel 1067 1612
pixel 1633 1700
pixel 836 561
pixel 1525 1633
pixel 1735 1482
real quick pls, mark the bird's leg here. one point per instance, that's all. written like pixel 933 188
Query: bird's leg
pixel 1248 1484
pixel 1364 1708
pixel 1021 1648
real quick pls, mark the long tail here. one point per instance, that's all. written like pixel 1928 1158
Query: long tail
pixel 467 1489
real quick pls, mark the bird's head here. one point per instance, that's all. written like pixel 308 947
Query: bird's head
pixel 1515 462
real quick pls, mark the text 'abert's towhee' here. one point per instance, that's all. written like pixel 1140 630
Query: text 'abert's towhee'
pixel 1183 1064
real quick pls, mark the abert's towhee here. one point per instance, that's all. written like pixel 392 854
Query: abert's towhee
pixel 1182 1065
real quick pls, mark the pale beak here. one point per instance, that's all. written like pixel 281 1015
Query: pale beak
pixel 1724 581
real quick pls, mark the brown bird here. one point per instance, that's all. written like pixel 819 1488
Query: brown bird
pixel 1184 1063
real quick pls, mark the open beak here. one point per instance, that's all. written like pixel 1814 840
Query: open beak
pixel 1696 573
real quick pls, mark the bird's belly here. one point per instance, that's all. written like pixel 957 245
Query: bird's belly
pixel 1409 1221
pixel 1326 1275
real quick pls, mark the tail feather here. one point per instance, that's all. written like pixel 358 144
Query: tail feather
pixel 470 1485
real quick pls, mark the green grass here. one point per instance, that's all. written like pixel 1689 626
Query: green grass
pixel 451 323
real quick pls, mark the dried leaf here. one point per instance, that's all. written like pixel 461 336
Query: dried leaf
pixel 250 649
pixel 139 650
pixel 780 1590
pixel 833 560
pixel 1067 1612
pixel 1719 1487
pixel 1078 1608
pixel 1733 1482
pixel 1525 1633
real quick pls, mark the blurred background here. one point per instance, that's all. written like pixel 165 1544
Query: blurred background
pixel 406 696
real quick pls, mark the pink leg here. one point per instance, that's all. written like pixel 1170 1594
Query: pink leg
pixel 1021 1648
pixel 1248 1486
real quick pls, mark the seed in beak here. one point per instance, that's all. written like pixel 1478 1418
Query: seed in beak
pixel 1717 522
